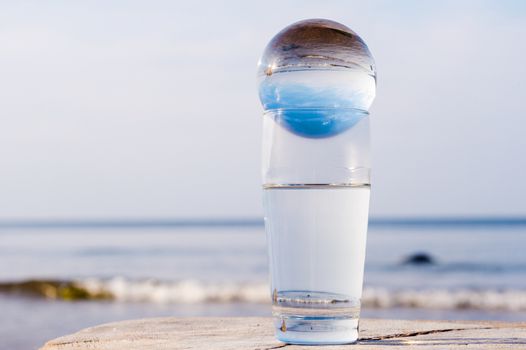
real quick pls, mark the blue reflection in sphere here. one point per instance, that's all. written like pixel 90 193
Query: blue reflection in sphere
pixel 318 123
pixel 317 77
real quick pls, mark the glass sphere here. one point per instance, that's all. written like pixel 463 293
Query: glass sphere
pixel 317 77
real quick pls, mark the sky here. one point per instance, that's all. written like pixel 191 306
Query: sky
pixel 149 109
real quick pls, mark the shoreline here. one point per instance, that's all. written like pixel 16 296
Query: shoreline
pixel 192 291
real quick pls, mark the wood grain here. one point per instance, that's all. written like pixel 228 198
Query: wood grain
pixel 257 333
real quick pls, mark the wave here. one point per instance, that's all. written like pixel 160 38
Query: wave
pixel 445 299
pixel 184 291
pixel 194 291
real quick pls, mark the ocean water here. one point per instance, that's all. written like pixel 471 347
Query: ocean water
pixel 478 271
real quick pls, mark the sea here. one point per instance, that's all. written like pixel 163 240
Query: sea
pixel 59 277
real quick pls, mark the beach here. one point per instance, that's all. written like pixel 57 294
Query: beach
pixel 69 278
pixel 144 146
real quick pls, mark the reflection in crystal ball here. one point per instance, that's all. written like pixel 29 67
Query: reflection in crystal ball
pixel 318 77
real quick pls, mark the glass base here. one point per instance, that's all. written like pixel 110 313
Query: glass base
pixel 316 331
pixel 305 317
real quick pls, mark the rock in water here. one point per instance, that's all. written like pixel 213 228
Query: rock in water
pixel 419 259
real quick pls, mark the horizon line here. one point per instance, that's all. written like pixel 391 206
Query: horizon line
pixel 443 221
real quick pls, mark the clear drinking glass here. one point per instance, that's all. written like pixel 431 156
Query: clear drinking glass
pixel 317 80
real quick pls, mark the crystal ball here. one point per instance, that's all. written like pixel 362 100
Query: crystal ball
pixel 317 78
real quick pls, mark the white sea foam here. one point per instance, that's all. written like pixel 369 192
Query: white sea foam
pixel 184 291
pixel 194 291
pixel 505 300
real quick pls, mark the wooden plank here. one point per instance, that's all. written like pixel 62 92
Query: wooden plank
pixel 257 333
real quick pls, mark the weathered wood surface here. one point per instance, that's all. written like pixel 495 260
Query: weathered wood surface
pixel 256 333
